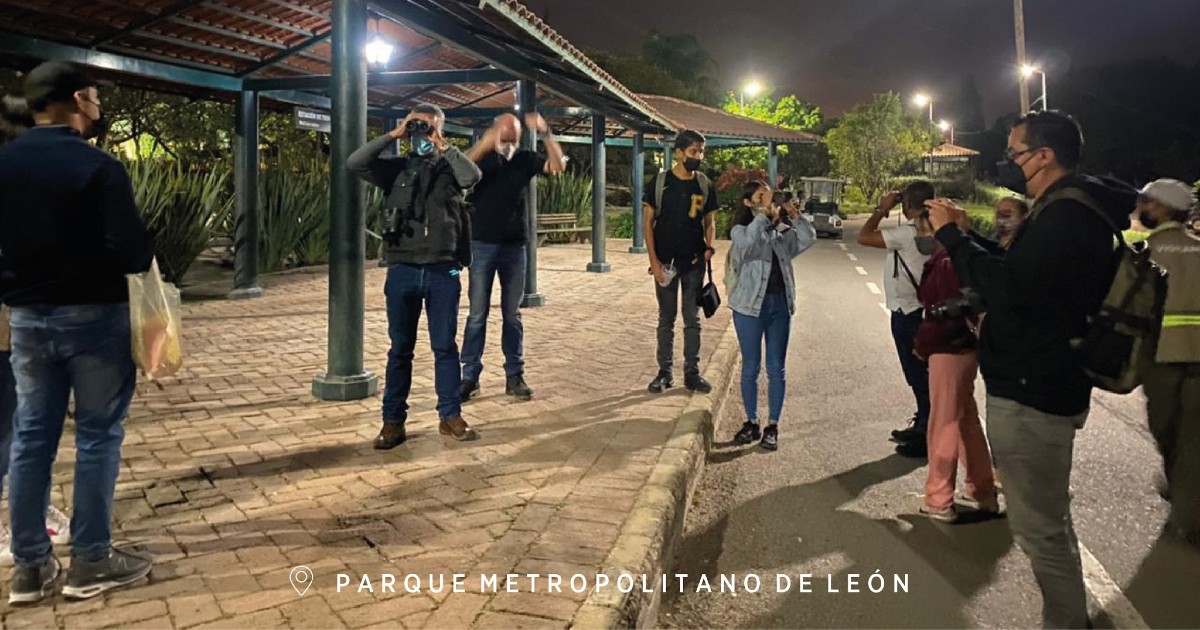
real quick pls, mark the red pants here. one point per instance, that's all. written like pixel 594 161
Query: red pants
pixel 954 432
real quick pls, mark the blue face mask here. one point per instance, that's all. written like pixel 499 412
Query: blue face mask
pixel 423 146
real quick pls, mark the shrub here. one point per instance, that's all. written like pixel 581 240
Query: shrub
pixel 568 193
pixel 293 215
pixel 732 181
pixel 621 225
pixel 183 208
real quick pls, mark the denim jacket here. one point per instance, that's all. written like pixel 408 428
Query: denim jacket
pixel 751 256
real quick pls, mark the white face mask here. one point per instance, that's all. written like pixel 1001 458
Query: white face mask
pixel 507 149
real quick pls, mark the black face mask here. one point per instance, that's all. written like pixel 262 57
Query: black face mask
pixel 927 245
pixel 691 165
pixel 1012 177
pixel 1147 220
pixel 98 130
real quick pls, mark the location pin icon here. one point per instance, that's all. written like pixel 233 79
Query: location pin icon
pixel 301 578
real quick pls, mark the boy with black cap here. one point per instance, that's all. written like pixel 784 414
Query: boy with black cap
pixel 69 234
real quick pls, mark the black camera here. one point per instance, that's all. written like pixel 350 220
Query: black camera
pixel 969 305
pixel 417 125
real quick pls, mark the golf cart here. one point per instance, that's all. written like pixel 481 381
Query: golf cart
pixel 822 199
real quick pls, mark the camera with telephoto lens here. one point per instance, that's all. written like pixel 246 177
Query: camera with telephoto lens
pixel 969 305
pixel 417 125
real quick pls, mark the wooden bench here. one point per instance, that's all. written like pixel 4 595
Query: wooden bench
pixel 568 224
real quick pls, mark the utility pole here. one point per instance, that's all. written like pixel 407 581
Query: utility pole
pixel 1019 19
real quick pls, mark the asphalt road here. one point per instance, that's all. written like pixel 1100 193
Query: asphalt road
pixel 836 500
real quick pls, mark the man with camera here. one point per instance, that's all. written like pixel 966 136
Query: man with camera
pixel 427 234
pixel 501 232
pixel 1039 296
pixel 909 247
pixel 69 233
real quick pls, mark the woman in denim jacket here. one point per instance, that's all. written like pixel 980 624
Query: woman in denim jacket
pixel 766 237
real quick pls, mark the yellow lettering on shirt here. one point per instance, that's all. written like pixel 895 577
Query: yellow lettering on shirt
pixel 697 206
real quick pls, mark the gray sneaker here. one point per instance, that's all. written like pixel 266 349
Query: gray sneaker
pixel 31 584
pixel 88 579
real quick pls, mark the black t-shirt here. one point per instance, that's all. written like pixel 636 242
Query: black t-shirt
pixel 775 283
pixel 679 224
pixel 499 197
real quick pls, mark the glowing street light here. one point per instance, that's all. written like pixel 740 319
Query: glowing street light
pixel 1028 71
pixel 378 51
pixel 945 126
pixel 921 100
pixel 753 88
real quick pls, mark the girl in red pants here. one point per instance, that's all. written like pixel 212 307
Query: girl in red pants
pixel 946 339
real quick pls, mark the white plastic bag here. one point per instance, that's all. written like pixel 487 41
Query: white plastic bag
pixel 154 320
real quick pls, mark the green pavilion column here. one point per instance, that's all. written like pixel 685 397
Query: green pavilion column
pixel 527 99
pixel 639 184
pixel 344 378
pixel 773 164
pixel 245 186
pixel 599 155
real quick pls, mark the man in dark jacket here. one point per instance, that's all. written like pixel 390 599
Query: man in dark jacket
pixel 1039 295
pixel 69 233
pixel 427 244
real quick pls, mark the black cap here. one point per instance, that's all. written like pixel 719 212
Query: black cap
pixel 54 82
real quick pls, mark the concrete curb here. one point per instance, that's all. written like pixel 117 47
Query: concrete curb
pixel 655 524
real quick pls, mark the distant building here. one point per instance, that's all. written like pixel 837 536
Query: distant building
pixel 947 159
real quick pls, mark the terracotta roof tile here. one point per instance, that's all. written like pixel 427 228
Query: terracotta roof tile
pixel 716 122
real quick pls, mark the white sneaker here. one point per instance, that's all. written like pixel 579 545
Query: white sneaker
pixel 990 506
pixel 58 526
pixel 948 515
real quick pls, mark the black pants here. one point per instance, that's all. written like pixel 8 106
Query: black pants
pixel 689 283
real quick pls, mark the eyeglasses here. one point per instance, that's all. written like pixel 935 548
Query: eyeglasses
pixel 1013 155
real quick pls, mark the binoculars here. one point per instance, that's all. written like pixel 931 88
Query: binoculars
pixel 417 126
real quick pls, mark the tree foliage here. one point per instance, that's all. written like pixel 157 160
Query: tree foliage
pixel 790 112
pixel 874 141
pixel 667 65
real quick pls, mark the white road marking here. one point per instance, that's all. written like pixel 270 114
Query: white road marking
pixel 861 271
pixel 852 257
pixel 843 246
pixel 1108 595
pixel 874 288
pixel 883 306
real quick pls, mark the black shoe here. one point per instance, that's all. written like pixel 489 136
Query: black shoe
pixel 469 390
pixel 516 388
pixel 915 450
pixel 661 383
pixel 909 433
pixel 696 383
pixel 390 436
pixel 88 579
pixel 31 584
pixel 749 434
pixel 770 438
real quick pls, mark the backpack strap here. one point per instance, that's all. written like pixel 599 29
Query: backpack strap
pixel 660 186
pixel 705 184
pixel 1081 196
pixel 900 263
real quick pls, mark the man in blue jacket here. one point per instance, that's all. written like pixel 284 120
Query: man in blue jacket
pixel 69 234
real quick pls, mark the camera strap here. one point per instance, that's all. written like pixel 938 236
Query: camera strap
pixel 900 263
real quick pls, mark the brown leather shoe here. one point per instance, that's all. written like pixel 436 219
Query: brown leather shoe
pixel 390 436
pixel 457 428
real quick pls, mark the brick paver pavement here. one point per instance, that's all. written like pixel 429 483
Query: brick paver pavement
pixel 232 474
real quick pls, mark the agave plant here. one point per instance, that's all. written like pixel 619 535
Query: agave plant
pixel 568 193
pixel 183 208
pixel 293 215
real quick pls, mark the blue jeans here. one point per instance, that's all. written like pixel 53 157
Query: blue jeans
pixel 8 407
pixel 916 371
pixel 409 287
pixel 58 350
pixel 487 261
pixel 775 323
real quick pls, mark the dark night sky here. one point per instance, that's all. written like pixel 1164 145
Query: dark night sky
pixel 836 53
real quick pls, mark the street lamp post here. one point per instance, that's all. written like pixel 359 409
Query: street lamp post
pixel 752 88
pixel 1028 71
pixel 921 100
pixel 945 126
